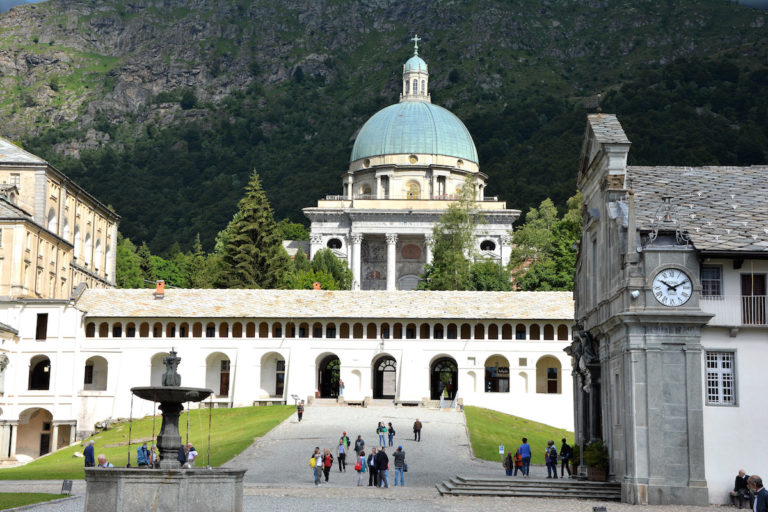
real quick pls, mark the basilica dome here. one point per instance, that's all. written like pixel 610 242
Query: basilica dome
pixel 414 127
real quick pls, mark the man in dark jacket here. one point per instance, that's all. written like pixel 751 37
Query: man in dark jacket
pixel 382 468
pixel 740 493
pixel 372 468
pixel 182 456
pixel 90 459
pixel 761 495
pixel 565 456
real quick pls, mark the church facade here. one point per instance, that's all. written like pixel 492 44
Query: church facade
pixel 670 332
pixel 409 162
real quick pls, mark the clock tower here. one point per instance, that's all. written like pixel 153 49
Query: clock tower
pixel 637 350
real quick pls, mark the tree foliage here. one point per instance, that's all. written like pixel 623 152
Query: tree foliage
pixel 325 268
pixel 544 256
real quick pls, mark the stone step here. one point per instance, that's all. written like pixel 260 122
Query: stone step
pixel 537 488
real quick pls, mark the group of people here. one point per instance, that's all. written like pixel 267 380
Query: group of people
pixel 91 460
pixel 376 463
pixel 521 460
pixel 145 457
pixel 748 492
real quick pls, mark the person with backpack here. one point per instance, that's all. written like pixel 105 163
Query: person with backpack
pixel 566 452
pixel 327 463
pixel 341 453
pixel 316 463
pixel 381 430
pixel 400 465
pixel 359 445
pixel 550 457
pixel 391 434
pixel 508 464
pixel 518 462
pixel 360 467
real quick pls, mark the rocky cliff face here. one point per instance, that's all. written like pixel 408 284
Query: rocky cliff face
pixel 67 60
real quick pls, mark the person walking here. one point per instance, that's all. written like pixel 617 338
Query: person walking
pixel 317 468
pixel 327 463
pixel 399 457
pixel 382 468
pixel 345 439
pixel 371 467
pixel 566 452
pixel 300 410
pixel 508 464
pixel 390 434
pixel 359 445
pixel 518 462
pixel 761 495
pixel 550 458
pixel 525 453
pixel 417 430
pixel 142 456
pixel 360 467
pixel 341 453
pixel 382 431
pixel 90 458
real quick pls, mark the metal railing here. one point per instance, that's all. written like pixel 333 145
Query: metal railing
pixel 733 310
pixel 442 197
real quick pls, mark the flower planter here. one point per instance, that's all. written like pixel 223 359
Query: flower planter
pixel 597 474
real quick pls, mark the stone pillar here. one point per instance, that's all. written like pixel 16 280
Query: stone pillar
pixel 54 437
pixel 356 239
pixel 316 243
pixel 506 249
pixel 391 262
pixel 428 239
pixel 378 188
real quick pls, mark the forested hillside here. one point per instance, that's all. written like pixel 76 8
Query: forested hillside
pixel 164 108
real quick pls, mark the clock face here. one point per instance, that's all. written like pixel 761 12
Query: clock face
pixel 672 287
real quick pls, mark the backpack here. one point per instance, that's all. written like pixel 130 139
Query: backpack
pixel 312 462
pixel 553 454
pixel 392 431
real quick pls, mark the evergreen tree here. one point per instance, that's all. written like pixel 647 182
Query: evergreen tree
pixel 489 275
pixel 201 268
pixel 128 265
pixel 146 265
pixel 253 255
pixel 306 279
pixel 453 245
pixel 326 261
pixel 301 262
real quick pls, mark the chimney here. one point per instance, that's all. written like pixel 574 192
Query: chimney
pixel 159 289
pixel 316 286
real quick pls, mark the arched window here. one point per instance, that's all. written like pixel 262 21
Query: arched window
pixel 39 373
pixel 144 330
pixel 562 332
pixel 157 330
pixel 384 378
pixel 170 330
pixel 77 242
pixel 90 330
pixel 397 332
pixel 130 330
pixel 466 331
pixel 423 87
pixel 250 330
pixel 370 331
pixel 520 332
pixel 439 332
pixel 88 248
pixel 103 330
pixel 451 332
pixel 117 330
pixel 487 245
pixel 548 375
pixel 184 330
pixel 197 330
pixel 95 376
pixel 263 330
pixel 506 332
pixel 330 330
pixel 317 330
pixel 415 86
pixel 97 255
pixel 210 330
pixel 407 87
pixel 277 330
pixel 224 330
pixel 52 220
pixel 237 330
pixel 344 331
pixel 334 243
pixel 365 190
pixel 65 229
pixel 107 260
pixel 410 331
pixel 479 332
pixel 549 332
pixel 497 374
pixel 303 330
pixel 357 331
pixel 217 374
pixel 535 332
pixel 413 190
pixel 424 332
pixel 493 332
pixel 385 334
pixel 290 330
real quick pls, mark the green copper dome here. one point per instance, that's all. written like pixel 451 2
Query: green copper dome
pixel 415 63
pixel 414 127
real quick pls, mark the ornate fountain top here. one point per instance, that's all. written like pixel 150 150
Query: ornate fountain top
pixel 171 377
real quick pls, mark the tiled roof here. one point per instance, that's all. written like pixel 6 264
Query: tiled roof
pixel 98 303
pixel 721 208
pixel 607 128
pixel 9 210
pixel 11 153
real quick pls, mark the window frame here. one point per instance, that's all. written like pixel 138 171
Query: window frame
pixel 705 282
pixel 719 402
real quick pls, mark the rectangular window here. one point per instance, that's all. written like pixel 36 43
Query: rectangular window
pixel 15 179
pixel 522 362
pixel 225 365
pixel 721 378
pixel 711 281
pixel 88 374
pixel 41 333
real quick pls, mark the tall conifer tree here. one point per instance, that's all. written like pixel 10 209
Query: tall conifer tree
pixel 253 256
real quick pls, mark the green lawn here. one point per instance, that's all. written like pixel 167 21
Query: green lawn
pixel 232 431
pixel 488 429
pixel 18 499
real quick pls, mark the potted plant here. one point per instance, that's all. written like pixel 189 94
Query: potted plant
pixel 596 460
pixel 575 459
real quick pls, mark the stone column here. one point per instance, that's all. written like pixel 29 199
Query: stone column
pixel 506 249
pixel 428 239
pixel 391 262
pixel 378 188
pixel 316 243
pixel 355 239
pixel 54 437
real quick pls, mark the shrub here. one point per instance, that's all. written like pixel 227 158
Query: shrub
pixel 596 455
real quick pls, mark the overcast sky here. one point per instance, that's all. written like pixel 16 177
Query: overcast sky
pixel 7 4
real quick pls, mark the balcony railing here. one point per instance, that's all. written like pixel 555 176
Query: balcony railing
pixel 734 310
pixel 443 197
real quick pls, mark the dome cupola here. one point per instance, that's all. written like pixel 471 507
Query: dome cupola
pixel 415 77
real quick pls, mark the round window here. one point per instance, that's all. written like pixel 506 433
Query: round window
pixel 413 159
pixel 411 252
pixel 366 162
pixel 487 245
pixel 459 163
pixel 334 243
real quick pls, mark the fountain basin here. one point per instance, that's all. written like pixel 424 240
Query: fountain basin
pixel 172 393
pixel 177 490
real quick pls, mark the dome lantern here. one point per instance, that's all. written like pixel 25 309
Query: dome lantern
pixel 415 77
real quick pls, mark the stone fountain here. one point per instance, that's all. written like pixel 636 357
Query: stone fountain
pixel 167 487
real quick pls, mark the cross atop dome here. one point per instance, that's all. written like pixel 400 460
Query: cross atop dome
pixel 416 40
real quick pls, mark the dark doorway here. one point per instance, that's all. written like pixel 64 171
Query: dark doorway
pixel 279 378
pixel 328 377
pixel 40 375
pixel 224 378
pixel 384 378
pixel 444 379
pixel 45 444
pixel 753 299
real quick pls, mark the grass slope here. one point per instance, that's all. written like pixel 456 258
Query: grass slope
pixel 488 429
pixel 18 499
pixel 232 431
